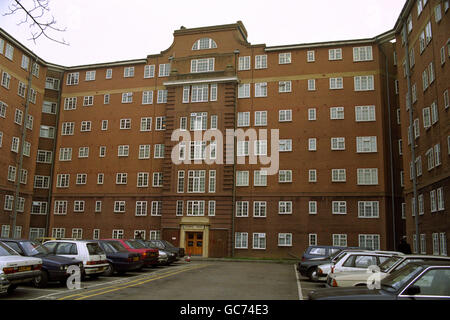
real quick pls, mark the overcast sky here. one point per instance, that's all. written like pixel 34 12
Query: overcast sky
pixel 115 30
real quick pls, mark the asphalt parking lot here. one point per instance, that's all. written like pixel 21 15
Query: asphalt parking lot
pixel 195 280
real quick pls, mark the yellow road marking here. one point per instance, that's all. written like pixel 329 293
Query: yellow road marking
pixel 129 284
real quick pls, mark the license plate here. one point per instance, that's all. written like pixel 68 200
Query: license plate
pixel 25 268
pixel 136 259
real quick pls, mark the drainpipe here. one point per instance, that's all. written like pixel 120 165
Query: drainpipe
pixel 391 160
pixel 21 145
pixel 236 52
pixel 410 132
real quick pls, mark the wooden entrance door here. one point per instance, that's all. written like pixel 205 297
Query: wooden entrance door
pixel 194 243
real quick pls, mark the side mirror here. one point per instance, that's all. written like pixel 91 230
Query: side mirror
pixel 412 290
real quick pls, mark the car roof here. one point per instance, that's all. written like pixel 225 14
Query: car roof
pixel 431 263
pixel 65 240
pixel 425 256
pixel 16 240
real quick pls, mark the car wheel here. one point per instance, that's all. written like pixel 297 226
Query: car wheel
pixel 109 270
pixel 312 274
pixel 41 281
pixel 11 288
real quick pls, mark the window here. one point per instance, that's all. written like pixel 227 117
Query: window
pixel 365 113
pixel 433 204
pixel 338 175
pixel 117 234
pixel 337 143
pixel 147 97
pixel 437 154
pixel 335 54
pixel 312 207
pixel 312 144
pixel 159 151
pixel 284 176
pixel 285 239
pixel 83 152
pixel 368 209
pixel 127 97
pixel 197 150
pixel 311 85
pixel 160 123
pixel 196 181
pixel 202 65
pixel 312 114
pixel 241 240
pixel 157 179
pixel 284 207
pixel 78 206
pixel 12 173
pixel 284 58
pixel 285 145
pixel 428 33
pixel 340 240
pixel 3 107
pixel 260 118
pixel 242 178
pixel 123 150
pixel 90 75
pixel 434 113
pixel 366 144
pixel 244 63
pixel 362 53
pixel 310 56
pixel 179 210
pixel 446 99
pixel 21 89
pixel 121 178
pixel 204 43
pixel 15 144
pixel 128 72
pixel 6 80
pixel 62 180
pixel 312 239
pixel 81 178
pixel 211 208
pixel 440 198
pixel 284 86
pixel 125 124
pixel 244 90
pixel 149 71
pixel 180 185
pixel 144 151
pixel 164 70
pixel 259 241
pixel 261 62
pixel 44 156
pixel 141 208
pixel 9 51
pixel 85 126
pixel 8 203
pixel 100 178
pixel 312 175
pixel 18 116
pixel 196 208
pixel 72 78
pixel 119 206
pixel 70 103
pixel 108 74
pixel 241 208
pixel 364 83
pixel 243 119
pixel 260 178
pixel 260 147
pixel 261 89
pixel 367 176
pixel 369 241
pixel 336 83
pixel 214 121
pixel 65 154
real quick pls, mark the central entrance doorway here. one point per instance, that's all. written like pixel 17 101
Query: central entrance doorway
pixel 194 243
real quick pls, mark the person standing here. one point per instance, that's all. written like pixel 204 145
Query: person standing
pixel 404 246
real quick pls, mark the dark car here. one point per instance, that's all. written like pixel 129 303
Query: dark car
pixel 318 252
pixel 54 268
pixel 167 246
pixel 171 256
pixel 120 260
pixel 148 256
pixel 415 281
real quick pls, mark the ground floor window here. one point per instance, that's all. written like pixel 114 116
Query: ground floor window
pixel 369 241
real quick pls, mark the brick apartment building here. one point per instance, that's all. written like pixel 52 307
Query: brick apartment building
pixel 142 147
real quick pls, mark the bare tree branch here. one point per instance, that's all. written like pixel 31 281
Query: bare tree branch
pixel 41 24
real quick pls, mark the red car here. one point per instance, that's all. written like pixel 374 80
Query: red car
pixel 149 256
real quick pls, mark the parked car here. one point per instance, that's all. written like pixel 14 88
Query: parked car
pixel 149 256
pixel 15 269
pixel 89 252
pixel 348 279
pixel 54 268
pixel 319 252
pixel 120 260
pixel 167 246
pixel 358 261
pixel 415 281
pixel 308 268
pixel 165 257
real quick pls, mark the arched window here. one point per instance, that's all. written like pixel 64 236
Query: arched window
pixel 204 43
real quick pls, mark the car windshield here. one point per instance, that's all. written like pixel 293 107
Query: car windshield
pixel 156 244
pixel 168 244
pixel 115 246
pixel 386 265
pixel 94 248
pixel 397 279
pixel 33 248
pixel 7 251
pixel 134 244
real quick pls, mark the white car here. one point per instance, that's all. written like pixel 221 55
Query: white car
pixel 93 257
pixel 15 269
pixel 359 261
pixel 324 269
pixel 349 279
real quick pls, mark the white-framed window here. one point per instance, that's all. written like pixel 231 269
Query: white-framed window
pixel 90 75
pixel 83 152
pixel 212 181
pixel 312 207
pixel 312 144
pixel 44 156
pixel 102 151
pixel 259 241
pixel 158 151
pixel 62 180
pixel 49 132
pixel 149 71
pixel 144 151
pixel 284 115
pixel 121 178
pixel 440 199
pixel 311 84
pixel 310 56
pixel 60 207
pixel 100 178
pixel 70 103
pixel 369 241
pixel 243 119
pixel 196 208
pixel 284 176
pixel 211 208
pixel 199 93
pixel 160 123
pixel 446 98
pixel 362 53
pixel 285 239
pixel 81 178
pixel 335 54
pixel 312 175
pixel 127 97
pixel 58 232
pixel 241 240
pixel 8 206
pixel 261 61
pixel 260 147
pixel 78 206
pixel 336 83
pixel 180 183
pixel 364 83
pixel 312 114
pixel 202 65
pixel 284 86
pixel 367 176
pixel 242 178
pixel 72 78
pixel 443 243
pixel 157 179
pixel 244 63
pixel 204 43
pixel 108 74
pixel 117 234
pixel 125 124
pixel 85 126
pixel 179 209
pixel 365 113
pixel 244 90
pixel 142 179
pixel 164 70
pixel 119 206
pixel 312 239
pixel 15 142
pixel 65 154
pixel 338 143
pixel 6 80
pixel 261 89
pixel 284 207
pixel 241 208
pixel 285 145
pixel 339 240
pixel 141 208
pixel 260 118
pixel 196 181
pixel 260 178
pixel 368 209
pixel 199 121
pixel 284 58
pixel 366 144
pixel 36 233
pixel 128 72
pixel 147 97
pixel 338 175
